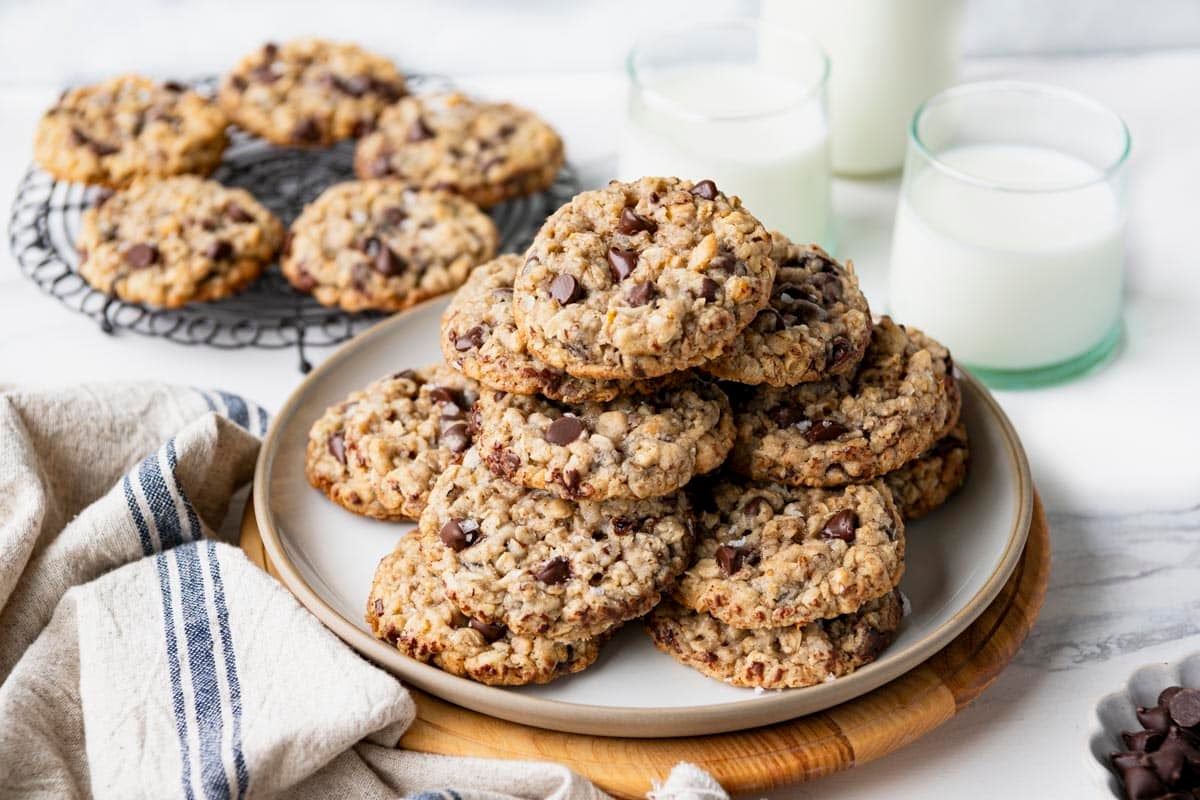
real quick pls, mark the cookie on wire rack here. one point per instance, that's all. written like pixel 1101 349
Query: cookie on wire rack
pixel 129 128
pixel 176 241
pixel 385 246
pixel 309 92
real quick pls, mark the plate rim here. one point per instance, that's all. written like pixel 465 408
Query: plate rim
pixel 582 718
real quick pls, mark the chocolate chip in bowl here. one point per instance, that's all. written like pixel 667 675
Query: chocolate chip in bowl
pixel 1148 740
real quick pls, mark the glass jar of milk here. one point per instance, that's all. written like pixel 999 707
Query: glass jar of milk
pixel 887 57
pixel 742 104
pixel 1009 237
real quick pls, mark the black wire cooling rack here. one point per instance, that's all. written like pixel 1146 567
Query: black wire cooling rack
pixel 269 314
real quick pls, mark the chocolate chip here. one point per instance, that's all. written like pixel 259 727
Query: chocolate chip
pixel 1169 763
pixel 755 506
pixel 566 290
pixel 1185 707
pixel 218 250
pixel 455 437
pixel 564 430
pixel 1146 741
pixel 95 145
pixel 355 85
pixel 725 264
pixel 709 289
pixel 419 131
pixel 768 321
pixel 303 280
pixel 269 51
pixel 841 526
pixel 306 131
pixel 623 526
pixel 393 216
pixel 621 263
pixel 1164 697
pixel 1142 784
pixel 238 83
pixel 442 394
pixel 491 631
pixel 570 479
pixel 263 74
pixel 825 430
pixel 337 446
pixel 387 262
pixel 469 340
pixel 554 571
pixel 632 222
pixel 141 255
pixel 389 90
pixel 840 349
pixel 828 287
pixel 786 416
pixel 174 86
pixel 874 642
pixel 705 189
pixel 378 607
pixel 642 294
pixel 459 534
pixel 236 213
pixel 1154 719
pixel 729 559
pixel 807 311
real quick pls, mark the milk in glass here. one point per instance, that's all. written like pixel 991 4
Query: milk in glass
pixel 1020 276
pixel 757 134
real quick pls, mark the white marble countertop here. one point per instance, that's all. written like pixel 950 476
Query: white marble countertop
pixel 1116 463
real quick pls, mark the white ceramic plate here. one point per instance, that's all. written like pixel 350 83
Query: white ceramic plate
pixel 958 559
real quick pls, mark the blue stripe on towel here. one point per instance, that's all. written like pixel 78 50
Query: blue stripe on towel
pixel 203 668
pixel 173 669
pixel 138 520
pixel 231 676
pixel 160 502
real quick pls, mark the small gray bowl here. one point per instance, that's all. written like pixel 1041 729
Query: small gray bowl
pixel 1117 712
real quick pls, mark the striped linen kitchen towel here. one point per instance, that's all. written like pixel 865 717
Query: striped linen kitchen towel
pixel 142 657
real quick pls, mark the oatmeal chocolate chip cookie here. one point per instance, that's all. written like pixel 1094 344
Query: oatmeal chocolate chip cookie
pixel 127 128
pixel 408 609
pixel 542 565
pixel 902 399
pixel 632 446
pixel 487 152
pixel 816 326
pixel 381 245
pixel 176 241
pixel 480 338
pixel 640 279
pixel 776 658
pixel 309 92
pixel 931 478
pixel 769 555
pixel 379 451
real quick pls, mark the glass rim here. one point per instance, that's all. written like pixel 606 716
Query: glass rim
pixel 807 94
pixel 1029 88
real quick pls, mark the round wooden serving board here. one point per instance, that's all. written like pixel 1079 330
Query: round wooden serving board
pixel 855 732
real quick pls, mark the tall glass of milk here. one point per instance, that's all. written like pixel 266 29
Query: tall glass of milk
pixel 887 57
pixel 742 104
pixel 1009 237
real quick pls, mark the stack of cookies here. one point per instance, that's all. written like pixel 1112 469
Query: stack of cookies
pixel 412 228
pixel 660 410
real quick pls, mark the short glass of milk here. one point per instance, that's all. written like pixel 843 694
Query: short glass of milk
pixel 743 104
pixel 1010 230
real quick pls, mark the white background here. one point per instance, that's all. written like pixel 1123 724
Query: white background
pixel 1115 455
